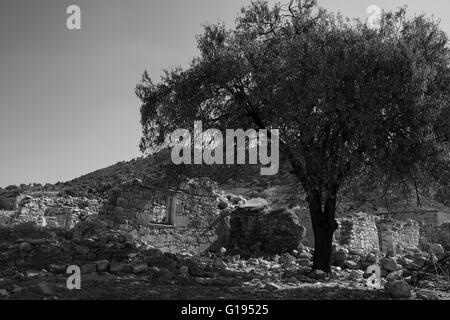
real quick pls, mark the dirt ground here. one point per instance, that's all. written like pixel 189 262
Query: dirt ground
pixel 135 287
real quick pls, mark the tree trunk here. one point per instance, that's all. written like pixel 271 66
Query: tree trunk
pixel 324 226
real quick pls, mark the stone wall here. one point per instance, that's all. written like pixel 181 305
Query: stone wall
pixel 53 212
pixel 358 231
pixel 258 230
pixel 9 199
pixel 183 220
pixel 364 232
pixel 397 235
pixel 429 222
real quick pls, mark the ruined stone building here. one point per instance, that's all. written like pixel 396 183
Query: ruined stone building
pixel 171 220
pixel 366 232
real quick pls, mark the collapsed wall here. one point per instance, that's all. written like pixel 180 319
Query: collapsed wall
pixel 397 235
pixel 52 212
pixel 28 245
pixel 183 220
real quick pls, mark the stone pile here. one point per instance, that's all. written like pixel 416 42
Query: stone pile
pixel 29 246
pixel 97 248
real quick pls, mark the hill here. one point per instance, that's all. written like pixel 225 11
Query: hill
pixel 365 194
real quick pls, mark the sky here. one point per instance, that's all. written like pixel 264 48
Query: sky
pixel 67 101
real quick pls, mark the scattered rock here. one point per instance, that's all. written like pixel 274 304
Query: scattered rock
pixel 427 295
pixel 255 203
pixel 116 266
pixel 222 251
pixel 398 289
pixel 25 246
pixel 274 286
pixel 341 255
pixel 196 271
pixel 219 263
pixel 32 273
pixel 403 261
pixel 46 288
pixel 165 275
pixel 304 262
pixel 287 260
pixel 420 260
pixel 58 269
pixel 318 275
pixel 184 270
pixel 413 267
pixel 395 275
pixel 334 274
pixel 390 264
pixel 89 268
pixel 264 264
pixel 355 252
pixel 17 289
pixel 371 258
pixel 350 264
pixel 102 265
pixel 4 293
pixel 356 275
pixel 437 249
pixel 222 204
pixel 127 268
pixel 235 199
pixel 140 268
pixel 255 283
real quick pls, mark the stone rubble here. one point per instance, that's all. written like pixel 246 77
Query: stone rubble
pixel 271 272
pixel 29 249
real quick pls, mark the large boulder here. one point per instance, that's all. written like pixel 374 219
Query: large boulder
pixel 255 229
pixel 390 265
pixel 437 249
pixel 420 260
pixel 341 255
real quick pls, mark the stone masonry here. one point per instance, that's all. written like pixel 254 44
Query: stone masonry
pixel 364 232
pixel 358 231
pixel 183 220
pixel 398 235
